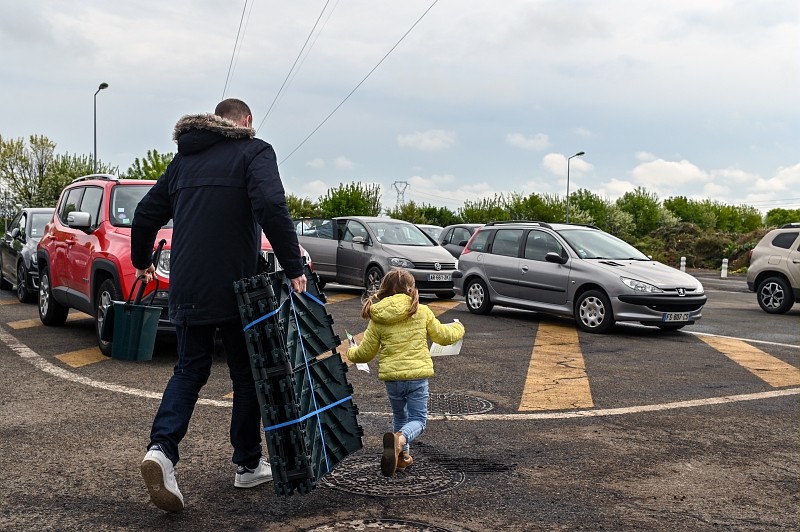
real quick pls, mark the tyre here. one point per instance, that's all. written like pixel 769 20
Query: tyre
pixel 445 295
pixel 105 295
pixel 775 295
pixel 593 312
pixel 372 280
pixel 23 294
pixel 476 294
pixel 51 312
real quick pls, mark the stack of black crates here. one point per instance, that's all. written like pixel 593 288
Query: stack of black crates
pixel 306 402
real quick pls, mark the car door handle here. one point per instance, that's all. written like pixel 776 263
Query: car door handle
pixel 524 269
pixel 796 261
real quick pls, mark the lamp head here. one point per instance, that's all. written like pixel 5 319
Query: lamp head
pixel 102 86
pixel 578 154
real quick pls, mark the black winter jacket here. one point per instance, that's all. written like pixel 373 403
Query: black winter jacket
pixel 222 184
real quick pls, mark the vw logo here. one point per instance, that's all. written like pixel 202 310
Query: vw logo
pixel 681 292
pixel 437 266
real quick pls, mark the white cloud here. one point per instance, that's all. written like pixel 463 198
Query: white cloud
pixel 540 141
pixel 316 163
pixel 343 163
pixel 556 164
pixel 431 140
pixel 645 156
pixel 583 132
pixel 661 175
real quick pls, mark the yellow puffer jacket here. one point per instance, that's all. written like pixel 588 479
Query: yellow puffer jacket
pixel 403 341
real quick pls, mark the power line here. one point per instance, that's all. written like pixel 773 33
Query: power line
pixel 359 83
pixel 293 65
pixel 233 54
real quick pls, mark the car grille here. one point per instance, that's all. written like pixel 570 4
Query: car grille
pixel 430 266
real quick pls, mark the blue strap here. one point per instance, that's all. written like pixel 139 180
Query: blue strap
pixel 265 316
pixel 314 413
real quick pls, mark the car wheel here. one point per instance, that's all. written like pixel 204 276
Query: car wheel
pixel 775 295
pixel 103 303
pixel 445 295
pixel 372 281
pixel 593 312
pixel 51 312
pixel 477 296
pixel 23 294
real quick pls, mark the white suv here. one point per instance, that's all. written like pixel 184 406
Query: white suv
pixel 774 272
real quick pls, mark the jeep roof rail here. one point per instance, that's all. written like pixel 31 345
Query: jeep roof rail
pixel 790 225
pixel 106 177
pixel 537 222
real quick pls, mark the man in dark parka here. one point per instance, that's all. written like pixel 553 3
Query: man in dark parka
pixel 221 189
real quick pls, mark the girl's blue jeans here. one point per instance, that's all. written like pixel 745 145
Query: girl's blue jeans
pixel 409 401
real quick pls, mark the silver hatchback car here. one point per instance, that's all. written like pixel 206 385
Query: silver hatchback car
pixel 574 270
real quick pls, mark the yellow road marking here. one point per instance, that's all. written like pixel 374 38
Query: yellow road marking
pixel 9 302
pixel 82 357
pixel 36 322
pixel 766 367
pixel 557 378
pixel 339 297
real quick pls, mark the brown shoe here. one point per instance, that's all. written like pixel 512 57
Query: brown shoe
pixel 391 449
pixel 404 460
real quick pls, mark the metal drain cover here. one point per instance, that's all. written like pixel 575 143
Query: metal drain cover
pixel 362 475
pixel 457 404
pixel 375 524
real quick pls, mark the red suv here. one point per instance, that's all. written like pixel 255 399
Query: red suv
pixel 84 254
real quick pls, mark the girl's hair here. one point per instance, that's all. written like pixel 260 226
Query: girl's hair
pixel 397 281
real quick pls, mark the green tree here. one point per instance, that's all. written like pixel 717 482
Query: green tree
pixel 151 167
pixel 23 167
pixel 409 212
pixel 778 217
pixel 484 210
pixel 439 215
pixel 302 207
pixel 355 199
pixel 644 208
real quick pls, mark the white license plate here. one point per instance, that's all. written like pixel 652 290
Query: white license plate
pixel 439 277
pixel 675 316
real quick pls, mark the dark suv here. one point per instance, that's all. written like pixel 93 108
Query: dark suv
pixel 84 254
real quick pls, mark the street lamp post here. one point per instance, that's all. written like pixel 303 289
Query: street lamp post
pixel 102 86
pixel 566 220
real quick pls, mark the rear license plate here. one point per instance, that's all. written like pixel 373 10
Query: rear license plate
pixel 675 316
pixel 439 277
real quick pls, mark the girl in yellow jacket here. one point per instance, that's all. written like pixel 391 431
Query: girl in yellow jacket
pixel 399 326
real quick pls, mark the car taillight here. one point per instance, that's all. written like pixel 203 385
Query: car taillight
pixel 750 257
pixel 466 248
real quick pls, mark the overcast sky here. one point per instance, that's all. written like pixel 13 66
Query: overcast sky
pixel 682 97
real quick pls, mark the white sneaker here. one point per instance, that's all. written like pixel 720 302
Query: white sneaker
pixel 159 476
pixel 248 478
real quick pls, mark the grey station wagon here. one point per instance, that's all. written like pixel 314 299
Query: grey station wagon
pixel 359 250
pixel 574 270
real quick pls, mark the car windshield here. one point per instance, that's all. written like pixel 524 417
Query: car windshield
pixel 399 234
pixel 592 244
pixel 124 200
pixel 38 221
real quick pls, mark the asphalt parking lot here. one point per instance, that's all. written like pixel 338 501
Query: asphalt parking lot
pixel 534 426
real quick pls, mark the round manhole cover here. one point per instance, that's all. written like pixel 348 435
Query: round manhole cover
pixel 376 524
pixel 362 475
pixel 457 404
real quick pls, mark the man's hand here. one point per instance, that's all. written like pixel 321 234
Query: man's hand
pixel 149 273
pixel 299 284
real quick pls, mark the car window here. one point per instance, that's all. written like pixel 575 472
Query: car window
pixel 20 223
pixel 480 241
pixel 506 242
pixel 124 200
pixel 784 240
pixel 70 203
pixel 594 244
pixel 92 199
pixel 38 221
pixel 314 227
pixel 460 234
pixel 446 236
pixel 354 229
pixel 402 234
pixel 538 244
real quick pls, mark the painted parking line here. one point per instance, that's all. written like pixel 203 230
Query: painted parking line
pixel 82 357
pixel 338 297
pixel 766 367
pixel 557 378
pixel 4 302
pixel 36 322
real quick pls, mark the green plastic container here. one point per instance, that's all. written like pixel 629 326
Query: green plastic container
pixel 135 328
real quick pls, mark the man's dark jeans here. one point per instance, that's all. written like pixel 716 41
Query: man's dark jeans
pixel 195 355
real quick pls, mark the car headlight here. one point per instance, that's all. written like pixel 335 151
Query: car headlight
pixel 641 286
pixel 34 258
pixel 162 268
pixel 399 262
pixel 699 289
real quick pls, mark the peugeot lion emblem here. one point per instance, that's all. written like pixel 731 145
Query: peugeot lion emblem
pixel 437 266
pixel 681 291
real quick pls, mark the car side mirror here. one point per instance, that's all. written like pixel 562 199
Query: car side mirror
pixel 462 243
pixel 79 220
pixel 557 258
pixel 359 240
pixel 15 233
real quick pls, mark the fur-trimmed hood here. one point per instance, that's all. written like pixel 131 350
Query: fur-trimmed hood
pixel 194 133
